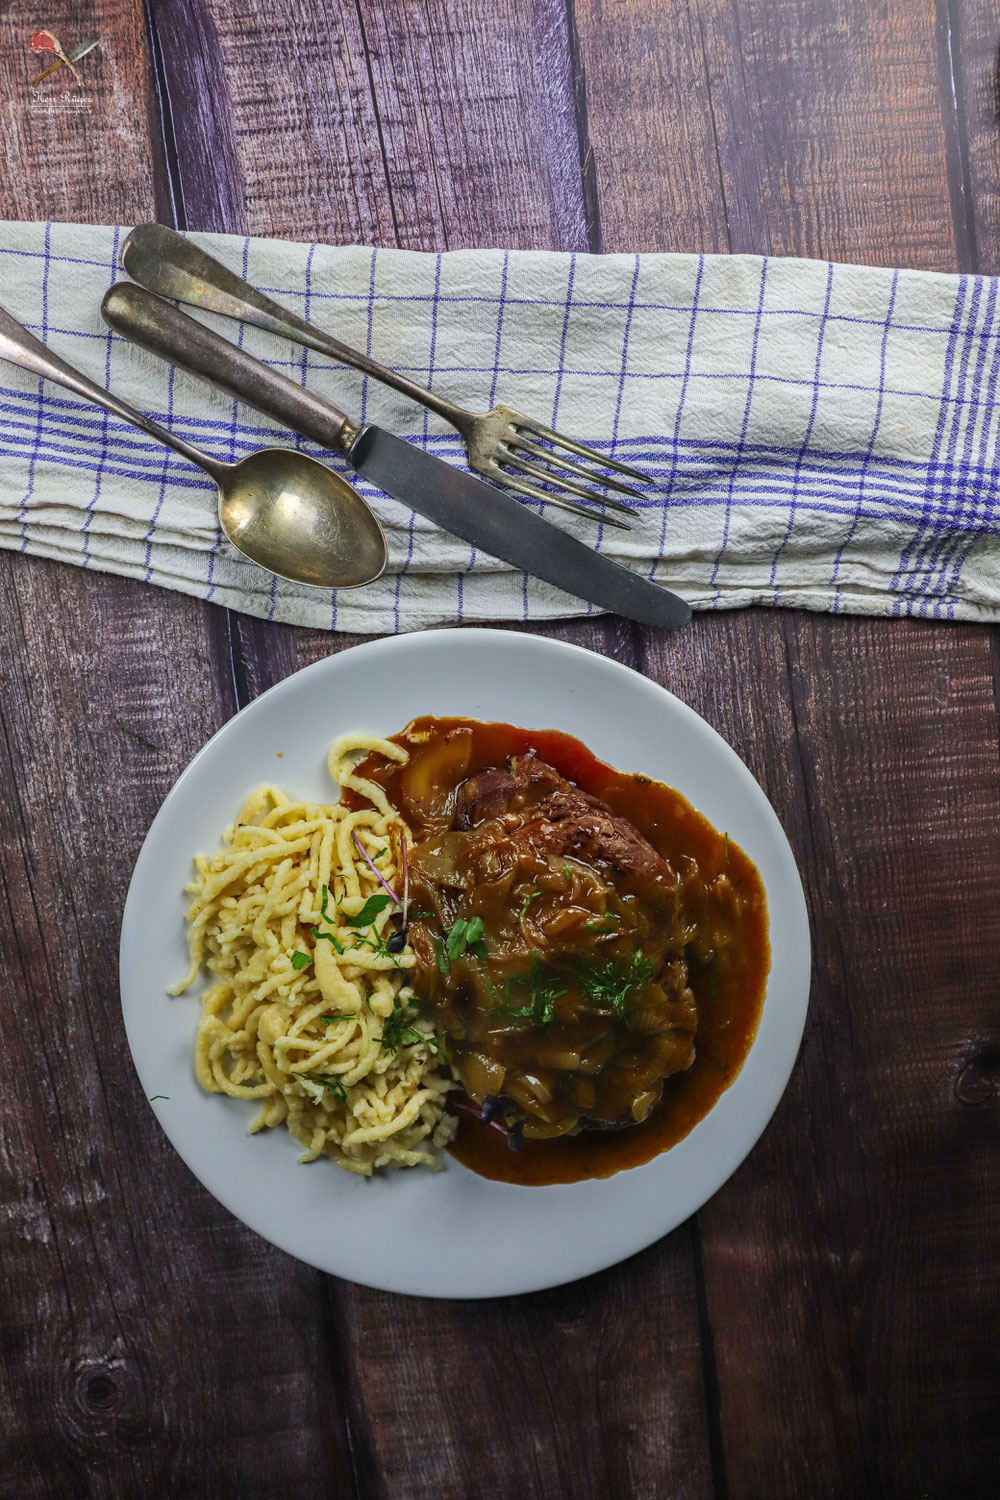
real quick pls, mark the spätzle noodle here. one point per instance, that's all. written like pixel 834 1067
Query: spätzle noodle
pixel 311 1013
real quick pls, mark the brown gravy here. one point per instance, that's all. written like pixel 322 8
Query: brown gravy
pixel 729 992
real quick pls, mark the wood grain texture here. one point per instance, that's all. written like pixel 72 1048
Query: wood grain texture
pixel 399 124
pixel 827 1324
pixel 973 51
pixel 195 116
pixel 782 127
pixel 70 151
pixel 831 135
pixel 124 1334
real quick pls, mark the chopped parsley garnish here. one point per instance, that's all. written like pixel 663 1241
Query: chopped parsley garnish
pixel 369 911
pixel 327 937
pixel 341 1015
pixel 398 1030
pixel 567 872
pixel 533 897
pixel 134 734
pixel 466 934
pixel 421 916
pixel 159 1096
pixel 612 985
pixel 544 989
pixel 364 918
pixel 301 960
pixel 329 1081
pixel 324 916
pixel 442 956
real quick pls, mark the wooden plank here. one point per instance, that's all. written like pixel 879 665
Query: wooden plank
pixel 581 1392
pixel 69 152
pixel 400 124
pixel 196 118
pixel 139 1323
pixel 466 136
pixel 849 1264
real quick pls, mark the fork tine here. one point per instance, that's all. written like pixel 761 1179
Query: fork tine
pixel 512 462
pixel 572 468
pixel 534 493
pixel 537 430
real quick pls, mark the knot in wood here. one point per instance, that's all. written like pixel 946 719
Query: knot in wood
pixel 978 1079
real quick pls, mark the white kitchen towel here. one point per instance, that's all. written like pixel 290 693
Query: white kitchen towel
pixel 817 435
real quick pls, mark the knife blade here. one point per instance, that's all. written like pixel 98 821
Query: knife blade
pixel 496 523
pixel 480 514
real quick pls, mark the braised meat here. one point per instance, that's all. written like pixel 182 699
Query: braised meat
pixel 564 818
pixel 551 946
pixel 564 916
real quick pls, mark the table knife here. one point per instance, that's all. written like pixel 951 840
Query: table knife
pixel 481 515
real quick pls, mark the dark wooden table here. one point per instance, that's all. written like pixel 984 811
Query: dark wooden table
pixel 827 1325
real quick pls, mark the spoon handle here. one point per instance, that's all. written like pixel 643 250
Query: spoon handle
pixel 20 347
pixel 164 330
pixel 166 262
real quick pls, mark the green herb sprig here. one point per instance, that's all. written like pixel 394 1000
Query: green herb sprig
pixel 398 1031
pixel 544 988
pixel 330 1082
pixel 134 734
pixel 324 916
pixel 612 985
pixel 371 909
pixel 466 933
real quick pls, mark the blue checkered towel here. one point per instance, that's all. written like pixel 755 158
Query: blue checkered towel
pixel 820 435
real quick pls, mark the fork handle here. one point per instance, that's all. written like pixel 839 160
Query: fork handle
pixel 165 262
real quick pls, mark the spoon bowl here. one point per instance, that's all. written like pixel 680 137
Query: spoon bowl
pixel 283 510
pixel 295 517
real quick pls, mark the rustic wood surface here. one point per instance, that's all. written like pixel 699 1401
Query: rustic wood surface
pixel 827 1325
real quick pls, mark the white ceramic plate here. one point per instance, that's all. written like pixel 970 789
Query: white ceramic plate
pixel 449 1234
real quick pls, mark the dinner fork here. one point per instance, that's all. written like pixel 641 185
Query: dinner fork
pixel 502 444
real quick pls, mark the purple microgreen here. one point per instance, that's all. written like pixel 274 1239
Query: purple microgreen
pixel 371 865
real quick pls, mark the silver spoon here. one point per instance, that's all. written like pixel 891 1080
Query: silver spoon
pixel 286 512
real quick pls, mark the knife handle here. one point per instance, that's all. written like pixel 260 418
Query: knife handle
pixel 164 330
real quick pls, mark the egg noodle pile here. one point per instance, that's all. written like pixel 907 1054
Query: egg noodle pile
pixel 311 1012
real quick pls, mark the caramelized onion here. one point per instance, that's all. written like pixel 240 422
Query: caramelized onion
pixel 438 860
pixel 564 1059
pixel 481 1075
pixel 429 780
